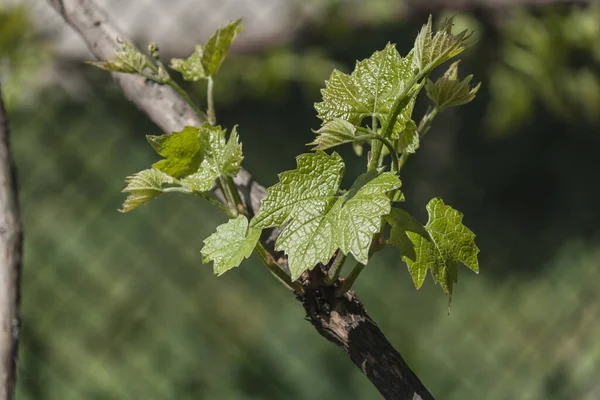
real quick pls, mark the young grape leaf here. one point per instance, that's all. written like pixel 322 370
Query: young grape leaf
pixel 334 133
pixel 438 246
pixel 218 45
pixel 191 69
pixel 198 155
pixel 369 91
pixel 409 138
pixel 206 61
pixel 201 180
pixel 360 216
pixel 448 91
pixel 396 196
pixel 219 157
pixel 317 220
pixel 230 244
pixel 144 186
pixel 181 151
pixel 224 156
pixel 128 60
pixel 431 50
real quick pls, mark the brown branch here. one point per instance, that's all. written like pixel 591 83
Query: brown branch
pixel 10 262
pixel 342 321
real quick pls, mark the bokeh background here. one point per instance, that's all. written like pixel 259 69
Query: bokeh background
pixel 121 307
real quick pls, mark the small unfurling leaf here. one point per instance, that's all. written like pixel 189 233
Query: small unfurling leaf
pixel 432 49
pixel 206 60
pixel 181 151
pixel 144 186
pixel 409 138
pixel 218 45
pixel 191 69
pixel 448 91
pixel 153 50
pixel 334 133
pixel 128 60
pixel 220 157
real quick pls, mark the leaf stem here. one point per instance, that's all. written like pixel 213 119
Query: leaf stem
pixel 403 160
pixel 241 208
pixel 387 143
pixel 216 203
pixel 374 124
pixel 169 81
pixel 187 98
pixel 336 268
pixel 233 198
pixel 422 129
pixel 226 190
pixel 210 199
pixel 151 77
pixel 276 270
pixel 211 115
pixel 349 281
pixel 425 123
pixel 401 101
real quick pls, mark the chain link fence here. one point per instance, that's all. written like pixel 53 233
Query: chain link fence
pixel 119 306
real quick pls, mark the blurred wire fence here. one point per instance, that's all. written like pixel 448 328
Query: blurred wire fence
pixel 120 306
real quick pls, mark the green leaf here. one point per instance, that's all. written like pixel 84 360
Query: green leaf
pixel 360 217
pixel 191 69
pixel 206 61
pixel 317 220
pixel 314 182
pixel 201 180
pixel 144 186
pixel 230 244
pixel 219 157
pixel 409 138
pixel 404 117
pixel 431 50
pixel 227 157
pixel 397 196
pixel 128 60
pixel 448 91
pixel 334 133
pixel 181 151
pixel 369 91
pixel 217 47
pixel 439 246
pixel 198 155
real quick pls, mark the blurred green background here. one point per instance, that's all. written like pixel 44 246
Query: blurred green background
pixel 120 306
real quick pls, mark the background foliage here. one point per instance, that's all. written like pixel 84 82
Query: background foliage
pixel 120 306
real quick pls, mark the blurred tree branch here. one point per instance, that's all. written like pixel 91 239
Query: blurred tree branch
pixel 469 5
pixel 10 262
pixel 343 321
